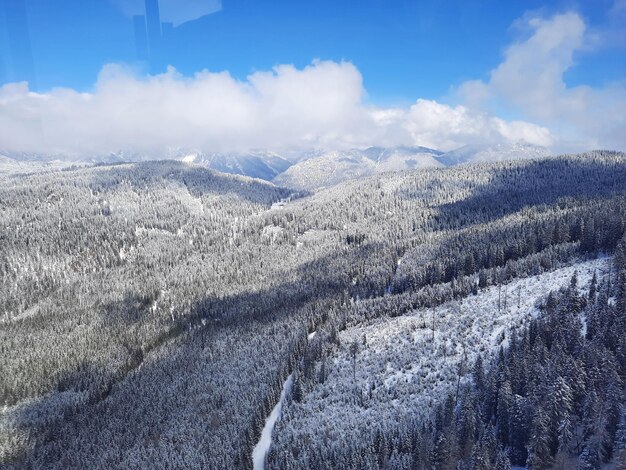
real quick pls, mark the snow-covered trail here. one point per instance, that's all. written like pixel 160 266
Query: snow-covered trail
pixel 263 446
pixel 265 441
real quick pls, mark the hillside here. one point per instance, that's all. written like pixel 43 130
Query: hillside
pixel 376 371
pixel 262 165
pixel 308 170
pixel 331 168
pixel 151 312
pixel 485 153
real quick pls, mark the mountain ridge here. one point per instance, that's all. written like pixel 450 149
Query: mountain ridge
pixel 307 170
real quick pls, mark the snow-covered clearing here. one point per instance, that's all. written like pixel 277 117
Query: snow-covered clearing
pixel 282 203
pixel 278 205
pixel 272 232
pixel 263 446
pixel 400 371
pixel 192 203
pixel 401 350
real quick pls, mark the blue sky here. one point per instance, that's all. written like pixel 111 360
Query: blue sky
pixel 403 50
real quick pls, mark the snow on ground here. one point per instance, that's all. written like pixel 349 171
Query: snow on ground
pixel 150 231
pixel 192 203
pixel 272 232
pixel 9 166
pixel 400 371
pixel 282 203
pixel 21 422
pixel 402 350
pixel 327 169
pixel 263 446
pixel 323 240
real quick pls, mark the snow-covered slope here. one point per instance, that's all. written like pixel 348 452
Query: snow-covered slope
pixel 307 170
pixel 263 165
pixel 479 153
pixel 330 168
pixel 398 366
pixel 9 165
pixel 327 169
pixel 473 325
pixel 403 158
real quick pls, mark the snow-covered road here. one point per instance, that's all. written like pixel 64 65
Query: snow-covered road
pixel 263 446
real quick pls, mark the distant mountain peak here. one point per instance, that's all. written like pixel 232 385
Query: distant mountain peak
pixel 484 153
pixel 308 169
pixel 332 167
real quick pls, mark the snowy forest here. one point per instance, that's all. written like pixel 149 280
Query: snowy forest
pixel 471 317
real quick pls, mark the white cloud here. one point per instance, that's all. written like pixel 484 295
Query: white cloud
pixel 531 81
pixel 283 109
pixel 322 106
pixel 440 125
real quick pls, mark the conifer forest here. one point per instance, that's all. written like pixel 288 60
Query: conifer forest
pixel 160 314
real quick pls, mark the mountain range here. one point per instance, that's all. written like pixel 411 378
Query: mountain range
pixel 309 170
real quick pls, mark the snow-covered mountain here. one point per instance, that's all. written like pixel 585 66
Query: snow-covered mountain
pixel 483 153
pixel 11 163
pixel 327 169
pixel 397 311
pixel 307 170
pixel 29 162
pixel 330 168
pixel 402 158
pixel 264 165
pixel 255 164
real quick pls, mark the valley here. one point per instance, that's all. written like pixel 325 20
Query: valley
pixel 152 312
